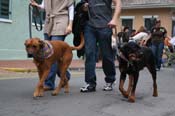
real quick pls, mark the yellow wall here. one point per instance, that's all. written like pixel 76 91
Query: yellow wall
pixel 163 14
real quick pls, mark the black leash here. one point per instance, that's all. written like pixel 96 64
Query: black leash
pixel 34 14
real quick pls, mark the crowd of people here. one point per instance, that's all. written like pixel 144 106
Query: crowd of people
pixel 97 29
pixel 156 39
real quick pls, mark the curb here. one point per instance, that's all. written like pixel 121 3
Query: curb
pixel 19 69
pixel 23 70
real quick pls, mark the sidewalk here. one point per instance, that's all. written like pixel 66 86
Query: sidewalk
pixel 29 66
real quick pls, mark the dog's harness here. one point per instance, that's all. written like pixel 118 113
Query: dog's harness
pixel 46 51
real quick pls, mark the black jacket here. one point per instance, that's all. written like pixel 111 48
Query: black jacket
pixel 80 18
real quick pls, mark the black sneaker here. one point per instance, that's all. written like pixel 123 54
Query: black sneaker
pixel 108 87
pixel 87 88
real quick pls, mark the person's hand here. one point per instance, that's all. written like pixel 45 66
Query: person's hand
pixel 112 24
pixel 68 29
pixel 33 3
pixel 85 7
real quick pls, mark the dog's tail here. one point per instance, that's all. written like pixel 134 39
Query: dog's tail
pixel 79 47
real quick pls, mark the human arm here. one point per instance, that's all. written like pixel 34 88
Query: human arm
pixel 145 40
pixel 113 22
pixel 139 36
pixel 34 3
pixel 71 17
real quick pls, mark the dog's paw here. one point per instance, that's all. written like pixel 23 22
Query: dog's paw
pixel 41 94
pixel 54 93
pixel 66 91
pixel 124 93
pixel 155 94
pixel 36 94
pixel 131 99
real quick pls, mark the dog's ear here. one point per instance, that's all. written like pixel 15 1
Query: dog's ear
pixel 25 43
pixel 41 43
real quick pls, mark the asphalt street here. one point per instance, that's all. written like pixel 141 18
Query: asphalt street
pixel 16 97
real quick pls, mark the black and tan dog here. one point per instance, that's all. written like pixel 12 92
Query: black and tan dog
pixel 45 53
pixel 133 58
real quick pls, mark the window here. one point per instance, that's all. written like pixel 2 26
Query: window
pixel 5 9
pixel 149 21
pixel 127 21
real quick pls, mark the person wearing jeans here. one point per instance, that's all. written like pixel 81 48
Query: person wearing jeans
pixel 58 24
pixel 157 36
pixel 157 49
pixel 99 28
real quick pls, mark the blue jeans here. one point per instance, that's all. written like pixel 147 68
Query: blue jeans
pixel 103 36
pixel 50 81
pixel 157 49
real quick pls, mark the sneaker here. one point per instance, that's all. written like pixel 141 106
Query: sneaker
pixel 87 88
pixel 108 87
pixel 157 69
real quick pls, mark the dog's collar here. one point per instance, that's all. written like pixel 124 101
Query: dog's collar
pixel 125 59
pixel 46 51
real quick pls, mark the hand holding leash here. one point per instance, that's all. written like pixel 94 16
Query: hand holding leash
pixel 33 3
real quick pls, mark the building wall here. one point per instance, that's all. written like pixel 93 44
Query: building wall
pixel 13 34
pixel 163 14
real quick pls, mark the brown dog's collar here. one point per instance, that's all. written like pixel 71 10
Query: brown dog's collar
pixel 46 51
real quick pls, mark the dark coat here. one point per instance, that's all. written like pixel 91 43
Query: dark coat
pixel 80 19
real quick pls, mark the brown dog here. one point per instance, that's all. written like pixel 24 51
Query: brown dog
pixel 45 53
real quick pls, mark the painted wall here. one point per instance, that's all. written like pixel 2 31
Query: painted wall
pixel 163 14
pixel 13 35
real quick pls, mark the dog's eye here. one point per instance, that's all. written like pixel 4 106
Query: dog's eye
pixel 34 46
pixel 27 46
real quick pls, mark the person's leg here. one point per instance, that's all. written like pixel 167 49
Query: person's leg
pixel 108 56
pixel 159 54
pixel 62 38
pixel 155 51
pixel 90 59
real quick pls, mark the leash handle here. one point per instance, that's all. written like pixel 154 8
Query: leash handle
pixel 114 31
pixel 37 15
pixel 114 39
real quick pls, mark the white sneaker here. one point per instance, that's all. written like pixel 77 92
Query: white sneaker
pixel 108 87
pixel 87 88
